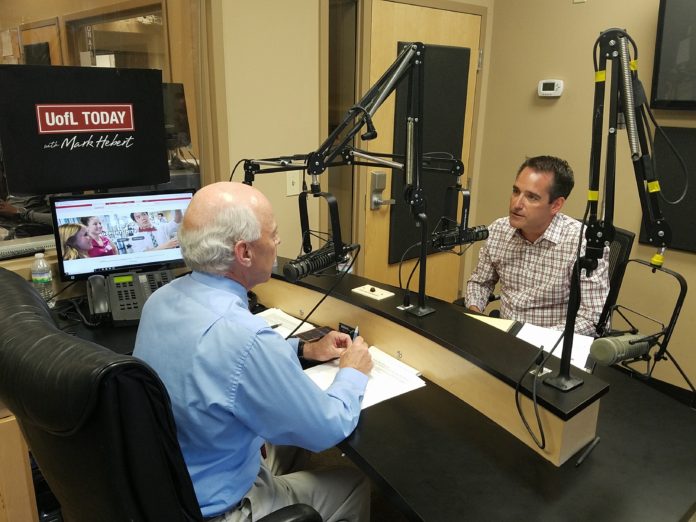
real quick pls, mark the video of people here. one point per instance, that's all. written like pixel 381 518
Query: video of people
pixel 104 233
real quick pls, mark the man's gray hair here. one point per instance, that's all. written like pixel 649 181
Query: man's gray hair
pixel 209 248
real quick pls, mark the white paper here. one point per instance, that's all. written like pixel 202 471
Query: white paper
pixel 539 336
pixel 389 377
pixel 282 322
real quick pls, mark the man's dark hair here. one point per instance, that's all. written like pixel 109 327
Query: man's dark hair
pixel 563 180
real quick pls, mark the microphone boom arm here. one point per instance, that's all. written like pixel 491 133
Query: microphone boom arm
pixel 612 45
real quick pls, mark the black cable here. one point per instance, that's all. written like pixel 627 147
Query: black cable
pixel 61 291
pixel 235 168
pixel 401 262
pixel 341 275
pixel 680 159
pixel 541 441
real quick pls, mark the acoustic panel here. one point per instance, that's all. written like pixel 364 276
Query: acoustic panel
pixel 446 76
pixel 681 217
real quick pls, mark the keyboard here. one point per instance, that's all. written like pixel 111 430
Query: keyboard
pixel 26 246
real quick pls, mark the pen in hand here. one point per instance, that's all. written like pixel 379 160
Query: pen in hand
pixel 356 332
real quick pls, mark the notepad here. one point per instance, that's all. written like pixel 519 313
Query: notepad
pixel 389 377
pixel 497 322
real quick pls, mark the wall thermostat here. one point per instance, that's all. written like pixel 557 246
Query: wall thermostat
pixel 553 88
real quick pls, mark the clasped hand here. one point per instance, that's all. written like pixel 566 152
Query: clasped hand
pixel 352 354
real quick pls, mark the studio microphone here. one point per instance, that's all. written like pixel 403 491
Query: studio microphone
pixel 610 350
pixel 313 262
pixel 445 239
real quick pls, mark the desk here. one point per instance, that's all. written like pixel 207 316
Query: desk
pixel 439 458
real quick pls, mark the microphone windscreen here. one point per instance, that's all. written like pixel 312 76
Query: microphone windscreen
pixel 291 272
pixel 610 350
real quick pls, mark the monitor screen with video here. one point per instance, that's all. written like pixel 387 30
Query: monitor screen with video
pixel 69 129
pixel 114 233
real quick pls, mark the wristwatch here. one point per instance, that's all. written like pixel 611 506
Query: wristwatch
pixel 23 213
pixel 300 349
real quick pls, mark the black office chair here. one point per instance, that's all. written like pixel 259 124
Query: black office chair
pixel 98 424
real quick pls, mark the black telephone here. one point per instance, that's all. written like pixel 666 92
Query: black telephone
pixel 121 297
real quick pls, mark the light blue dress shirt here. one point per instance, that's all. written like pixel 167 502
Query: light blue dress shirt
pixel 235 383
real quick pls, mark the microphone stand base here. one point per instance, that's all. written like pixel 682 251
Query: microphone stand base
pixel 420 311
pixel 563 383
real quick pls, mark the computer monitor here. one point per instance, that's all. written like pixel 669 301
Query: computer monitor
pixel 71 129
pixel 135 232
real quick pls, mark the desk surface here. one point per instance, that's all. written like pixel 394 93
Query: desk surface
pixel 498 353
pixel 439 459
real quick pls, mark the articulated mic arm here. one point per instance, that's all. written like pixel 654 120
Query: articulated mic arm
pixel 338 150
pixel 627 102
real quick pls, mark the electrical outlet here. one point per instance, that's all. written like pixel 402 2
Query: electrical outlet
pixel 373 292
pixel 294 183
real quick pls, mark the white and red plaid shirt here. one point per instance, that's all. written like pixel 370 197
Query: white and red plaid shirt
pixel 535 277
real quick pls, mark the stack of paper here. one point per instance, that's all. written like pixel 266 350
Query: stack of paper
pixel 497 322
pixel 389 377
pixel 282 322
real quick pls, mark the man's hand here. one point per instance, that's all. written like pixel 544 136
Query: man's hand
pixel 8 210
pixel 357 356
pixel 331 346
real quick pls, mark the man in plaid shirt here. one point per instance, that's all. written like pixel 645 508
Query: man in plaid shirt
pixel 532 253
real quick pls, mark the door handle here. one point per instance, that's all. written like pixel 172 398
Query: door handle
pixel 378 182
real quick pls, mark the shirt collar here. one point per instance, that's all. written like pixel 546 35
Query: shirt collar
pixel 222 283
pixel 553 232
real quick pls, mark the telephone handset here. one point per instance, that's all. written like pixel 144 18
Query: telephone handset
pixel 121 297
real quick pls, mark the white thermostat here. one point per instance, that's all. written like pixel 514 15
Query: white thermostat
pixel 553 88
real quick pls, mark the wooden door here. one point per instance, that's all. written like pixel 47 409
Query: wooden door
pixel 41 33
pixel 392 23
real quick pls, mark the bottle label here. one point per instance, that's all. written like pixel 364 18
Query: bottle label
pixel 41 278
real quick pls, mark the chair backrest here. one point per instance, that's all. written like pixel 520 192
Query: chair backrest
pixel 619 254
pixel 98 424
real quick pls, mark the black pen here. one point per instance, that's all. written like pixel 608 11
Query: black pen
pixel 274 326
pixel 587 451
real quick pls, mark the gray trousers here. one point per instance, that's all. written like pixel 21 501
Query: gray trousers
pixel 338 494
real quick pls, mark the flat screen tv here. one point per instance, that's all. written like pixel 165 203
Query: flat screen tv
pixel 71 129
pixel 134 231
pixel 674 71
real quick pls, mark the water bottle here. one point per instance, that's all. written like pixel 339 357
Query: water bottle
pixel 42 279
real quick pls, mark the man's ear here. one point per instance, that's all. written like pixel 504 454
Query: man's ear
pixel 557 205
pixel 242 253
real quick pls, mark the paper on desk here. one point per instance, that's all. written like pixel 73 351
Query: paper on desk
pixel 497 322
pixel 389 377
pixel 538 336
pixel 286 322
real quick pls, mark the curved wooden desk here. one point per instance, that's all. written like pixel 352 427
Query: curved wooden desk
pixel 472 360
pixel 442 458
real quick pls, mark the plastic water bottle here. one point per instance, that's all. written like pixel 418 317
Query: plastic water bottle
pixel 42 279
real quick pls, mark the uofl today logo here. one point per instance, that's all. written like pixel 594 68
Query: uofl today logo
pixel 103 117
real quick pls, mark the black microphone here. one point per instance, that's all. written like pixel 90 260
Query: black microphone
pixel 313 262
pixel 610 350
pixel 445 239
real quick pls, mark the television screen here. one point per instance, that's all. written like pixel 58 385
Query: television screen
pixel 70 129
pixel 109 233
pixel 674 71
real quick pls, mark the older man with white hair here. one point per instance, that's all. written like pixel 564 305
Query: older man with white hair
pixel 236 384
